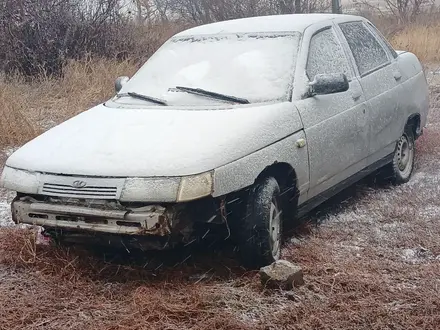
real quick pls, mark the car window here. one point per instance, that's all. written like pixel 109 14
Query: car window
pixel 367 51
pixel 379 35
pixel 326 55
pixel 258 67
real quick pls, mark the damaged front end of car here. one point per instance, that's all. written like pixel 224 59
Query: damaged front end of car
pixel 94 216
pixel 112 223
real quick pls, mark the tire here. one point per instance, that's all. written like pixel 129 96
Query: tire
pixel 260 240
pixel 402 165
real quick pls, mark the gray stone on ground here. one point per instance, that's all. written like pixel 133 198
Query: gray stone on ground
pixel 296 241
pixel 281 274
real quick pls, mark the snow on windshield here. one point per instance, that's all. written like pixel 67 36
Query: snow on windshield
pixel 257 67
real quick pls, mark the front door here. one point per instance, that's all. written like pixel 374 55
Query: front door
pixel 335 125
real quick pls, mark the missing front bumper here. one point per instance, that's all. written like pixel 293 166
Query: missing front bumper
pixel 148 220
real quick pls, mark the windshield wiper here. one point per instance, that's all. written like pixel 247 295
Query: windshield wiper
pixel 202 92
pixel 145 98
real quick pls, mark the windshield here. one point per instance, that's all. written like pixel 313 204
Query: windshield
pixel 254 67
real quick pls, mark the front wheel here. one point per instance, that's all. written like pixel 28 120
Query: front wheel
pixel 403 162
pixel 260 240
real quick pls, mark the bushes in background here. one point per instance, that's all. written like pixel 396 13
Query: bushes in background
pixel 38 37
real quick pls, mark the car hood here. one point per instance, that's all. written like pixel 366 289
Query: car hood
pixel 157 141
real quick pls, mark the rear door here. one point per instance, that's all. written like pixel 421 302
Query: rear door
pixel 380 79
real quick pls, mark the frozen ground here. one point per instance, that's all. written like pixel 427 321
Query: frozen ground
pixel 5 196
pixel 5 211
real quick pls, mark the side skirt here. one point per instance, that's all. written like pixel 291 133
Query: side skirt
pixel 322 197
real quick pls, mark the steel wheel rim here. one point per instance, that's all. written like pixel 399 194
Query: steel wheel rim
pixel 405 156
pixel 275 229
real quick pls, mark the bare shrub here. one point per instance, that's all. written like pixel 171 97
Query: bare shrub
pixel 403 10
pixel 38 37
pixel 393 16
pixel 206 11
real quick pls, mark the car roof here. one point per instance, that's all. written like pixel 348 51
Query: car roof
pixel 274 23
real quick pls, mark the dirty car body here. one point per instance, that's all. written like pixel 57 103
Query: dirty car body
pixel 293 107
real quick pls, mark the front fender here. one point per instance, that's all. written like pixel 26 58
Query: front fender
pixel 243 172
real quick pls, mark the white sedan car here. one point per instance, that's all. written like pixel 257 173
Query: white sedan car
pixel 246 124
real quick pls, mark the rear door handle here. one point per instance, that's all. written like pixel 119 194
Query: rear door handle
pixel 397 75
pixel 356 95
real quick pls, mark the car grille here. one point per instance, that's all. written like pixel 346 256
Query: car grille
pixel 98 192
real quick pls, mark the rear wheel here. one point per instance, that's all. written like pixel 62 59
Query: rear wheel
pixel 260 240
pixel 402 165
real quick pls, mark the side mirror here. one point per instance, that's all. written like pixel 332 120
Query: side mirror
pixel 324 84
pixel 121 81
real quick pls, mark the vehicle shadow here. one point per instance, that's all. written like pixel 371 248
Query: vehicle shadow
pixel 214 259
pixel 339 203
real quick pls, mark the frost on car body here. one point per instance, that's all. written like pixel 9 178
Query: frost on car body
pixel 247 123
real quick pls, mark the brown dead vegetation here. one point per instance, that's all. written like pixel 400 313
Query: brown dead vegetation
pixel 28 109
pixel 54 288
pixel 421 40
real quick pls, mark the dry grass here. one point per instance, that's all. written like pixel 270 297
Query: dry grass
pixel 27 109
pixel 15 128
pixel 422 40
pixel 51 288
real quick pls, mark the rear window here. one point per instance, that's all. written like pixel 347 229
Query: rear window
pixel 379 35
pixel 367 51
